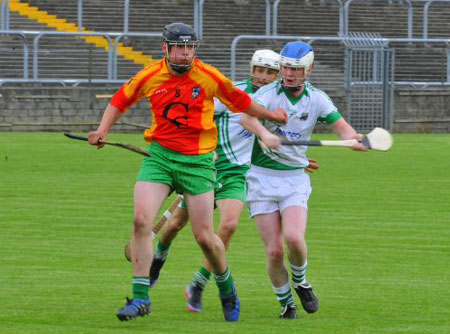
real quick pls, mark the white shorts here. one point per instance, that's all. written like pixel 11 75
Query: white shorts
pixel 271 190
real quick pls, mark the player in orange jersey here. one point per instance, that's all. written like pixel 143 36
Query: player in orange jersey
pixel 180 89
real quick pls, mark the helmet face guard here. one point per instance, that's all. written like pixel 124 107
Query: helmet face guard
pixel 296 55
pixel 268 60
pixel 180 36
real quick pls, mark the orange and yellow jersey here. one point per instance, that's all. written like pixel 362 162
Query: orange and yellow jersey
pixel 182 107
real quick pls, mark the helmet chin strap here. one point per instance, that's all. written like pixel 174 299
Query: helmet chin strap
pixel 291 89
pixel 255 87
pixel 179 68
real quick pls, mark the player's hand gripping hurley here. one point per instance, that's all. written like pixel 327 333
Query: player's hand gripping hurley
pixel 158 225
pixel 126 146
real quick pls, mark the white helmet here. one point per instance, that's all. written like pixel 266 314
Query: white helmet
pixel 265 58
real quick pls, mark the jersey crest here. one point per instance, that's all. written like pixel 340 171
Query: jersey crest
pixel 304 116
pixel 195 92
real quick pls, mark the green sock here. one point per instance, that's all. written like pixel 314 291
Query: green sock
pixel 161 251
pixel 224 283
pixel 284 295
pixel 201 277
pixel 140 287
pixel 298 274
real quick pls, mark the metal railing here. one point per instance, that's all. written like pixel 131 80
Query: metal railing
pixel 60 33
pixel 198 19
pixel 4 15
pixel 112 38
pixel 26 48
pixel 346 14
pixel 342 21
pixel 117 39
pixel 425 16
pixel 386 41
pixel 344 8
pixel 198 16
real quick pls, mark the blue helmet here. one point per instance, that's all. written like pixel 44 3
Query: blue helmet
pixel 298 55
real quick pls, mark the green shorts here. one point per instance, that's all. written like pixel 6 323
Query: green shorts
pixel 231 184
pixel 192 174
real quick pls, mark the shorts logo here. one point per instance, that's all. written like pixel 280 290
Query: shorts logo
pixel 195 92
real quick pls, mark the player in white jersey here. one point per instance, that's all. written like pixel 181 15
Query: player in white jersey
pixel 277 187
pixel 234 148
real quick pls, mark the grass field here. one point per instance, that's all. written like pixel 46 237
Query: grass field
pixel 378 237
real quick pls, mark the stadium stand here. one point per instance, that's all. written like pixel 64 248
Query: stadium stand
pixel 299 18
pixel 71 57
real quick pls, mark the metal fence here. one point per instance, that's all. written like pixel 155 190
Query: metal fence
pixel 330 53
pixel 365 67
pixel 369 67
pixel 344 14
pixel 410 56
pixel 423 62
pixel 108 70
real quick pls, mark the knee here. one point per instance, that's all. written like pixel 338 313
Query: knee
pixel 141 224
pixel 295 242
pixel 228 227
pixel 275 254
pixel 176 225
pixel 205 241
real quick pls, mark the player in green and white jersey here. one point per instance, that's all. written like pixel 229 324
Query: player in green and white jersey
pixel 234 148
pixel 277 187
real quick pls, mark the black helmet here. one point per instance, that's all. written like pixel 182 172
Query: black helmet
pixel 179 34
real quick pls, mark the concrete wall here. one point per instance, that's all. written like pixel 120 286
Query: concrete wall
pixel 422 110
pixel 64 109
pixel 80 109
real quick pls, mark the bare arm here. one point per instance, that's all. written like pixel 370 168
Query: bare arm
pixel 346 131
pixel 276 115
pixel 252 124
pixel 110 116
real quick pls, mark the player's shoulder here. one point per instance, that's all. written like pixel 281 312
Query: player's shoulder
pixel 242 85
pixel 316 93
pixel 208 68
pixel 150 69
pixel 271 88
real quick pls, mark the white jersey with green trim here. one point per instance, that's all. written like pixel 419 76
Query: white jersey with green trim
pixel 234 143
pixel 312 106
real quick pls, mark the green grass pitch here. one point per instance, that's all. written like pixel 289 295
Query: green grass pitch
pixel 378 238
